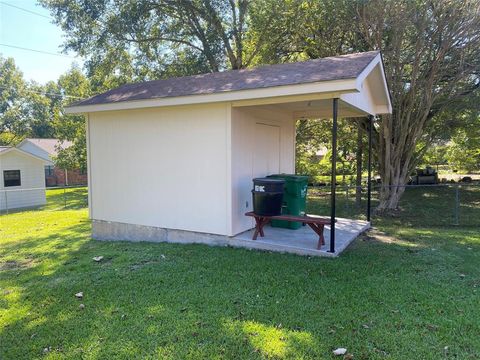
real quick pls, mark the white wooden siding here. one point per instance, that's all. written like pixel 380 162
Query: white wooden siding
pixel 32 176
pixel 164 167
pixel 244 122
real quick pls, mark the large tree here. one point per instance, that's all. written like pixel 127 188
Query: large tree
pixel 432 55
pixel 145 39
pixel 29 109
pixel 12 102
pixel 26 108
pixel 73 85
pixel 431 50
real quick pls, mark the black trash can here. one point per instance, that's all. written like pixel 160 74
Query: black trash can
pixel 267 196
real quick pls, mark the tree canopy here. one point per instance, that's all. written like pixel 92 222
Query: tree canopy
pixel 29 109
pixel 145 39
pixel 26 108
pixel 431 51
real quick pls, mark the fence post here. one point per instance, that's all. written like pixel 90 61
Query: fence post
pixel 348 199
pixel 457 204
pixel 369 180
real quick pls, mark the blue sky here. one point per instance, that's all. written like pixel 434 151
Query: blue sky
pixel 20 28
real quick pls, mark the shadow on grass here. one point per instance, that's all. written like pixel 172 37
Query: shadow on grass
pixel 139 301
pixel 68 198
pixel 58 199
pixel 380 299
pixel 192 301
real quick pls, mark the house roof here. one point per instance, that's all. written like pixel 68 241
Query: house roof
pixel 49 145
pixel 326 69
pixel 7 149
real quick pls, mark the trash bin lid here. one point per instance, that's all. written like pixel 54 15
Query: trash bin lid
pixel 267 180
pixel 290 177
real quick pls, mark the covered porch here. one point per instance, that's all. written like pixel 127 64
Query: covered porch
pixel 365 96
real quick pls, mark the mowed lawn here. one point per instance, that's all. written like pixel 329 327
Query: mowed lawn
pixel 399 292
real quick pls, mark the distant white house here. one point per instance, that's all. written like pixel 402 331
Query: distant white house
pixel 22 179
pixel 47 149
pixel 44 148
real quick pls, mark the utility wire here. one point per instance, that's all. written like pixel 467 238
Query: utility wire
pixel 47 93
pixel 44 16
pixel 26 10
pixel 29 49
pixel 38 51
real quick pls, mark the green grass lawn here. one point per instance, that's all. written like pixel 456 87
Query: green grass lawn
pixel 396 293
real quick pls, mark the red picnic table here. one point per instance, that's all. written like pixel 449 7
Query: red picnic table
pixel 316 223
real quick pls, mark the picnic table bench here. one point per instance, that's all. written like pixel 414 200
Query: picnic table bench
pixel 316 223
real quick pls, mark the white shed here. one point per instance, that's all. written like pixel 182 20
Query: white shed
pixel 22 179
pixel 170 160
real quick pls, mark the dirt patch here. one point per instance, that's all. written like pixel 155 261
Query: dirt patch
pixel 374 234
pixel 16 265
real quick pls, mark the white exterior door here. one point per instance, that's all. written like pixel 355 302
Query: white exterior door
pixel 266 155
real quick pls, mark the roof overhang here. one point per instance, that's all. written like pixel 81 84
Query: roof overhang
pixel 366 94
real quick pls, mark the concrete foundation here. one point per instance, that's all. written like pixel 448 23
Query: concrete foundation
pixel 302 241
pixel 109 230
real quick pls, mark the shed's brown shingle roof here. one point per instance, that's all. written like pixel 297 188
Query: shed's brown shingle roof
pixel 326 69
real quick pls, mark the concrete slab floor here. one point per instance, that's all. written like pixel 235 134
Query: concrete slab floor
pixel 304 240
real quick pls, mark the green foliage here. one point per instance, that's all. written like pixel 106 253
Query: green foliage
pixel 125 40
pixel 41 110
pixel 464 150
pixel 431 53
pixel 301 30
pixel 462 155
pixel 13 102
pixel 315 134
pixel 435 155
pixel 27 109
pixel 459 147
pixel 8 139
pixel 72 127
pixel 34 110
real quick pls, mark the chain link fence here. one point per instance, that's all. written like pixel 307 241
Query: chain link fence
pixel 49 199
pixel 451 204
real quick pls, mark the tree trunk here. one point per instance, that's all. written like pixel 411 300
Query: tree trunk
pixel 395 151
pixel 390 197
pixel 359 158
pixel 431 52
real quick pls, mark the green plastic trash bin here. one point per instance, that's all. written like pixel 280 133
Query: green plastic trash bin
pixel 294 199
